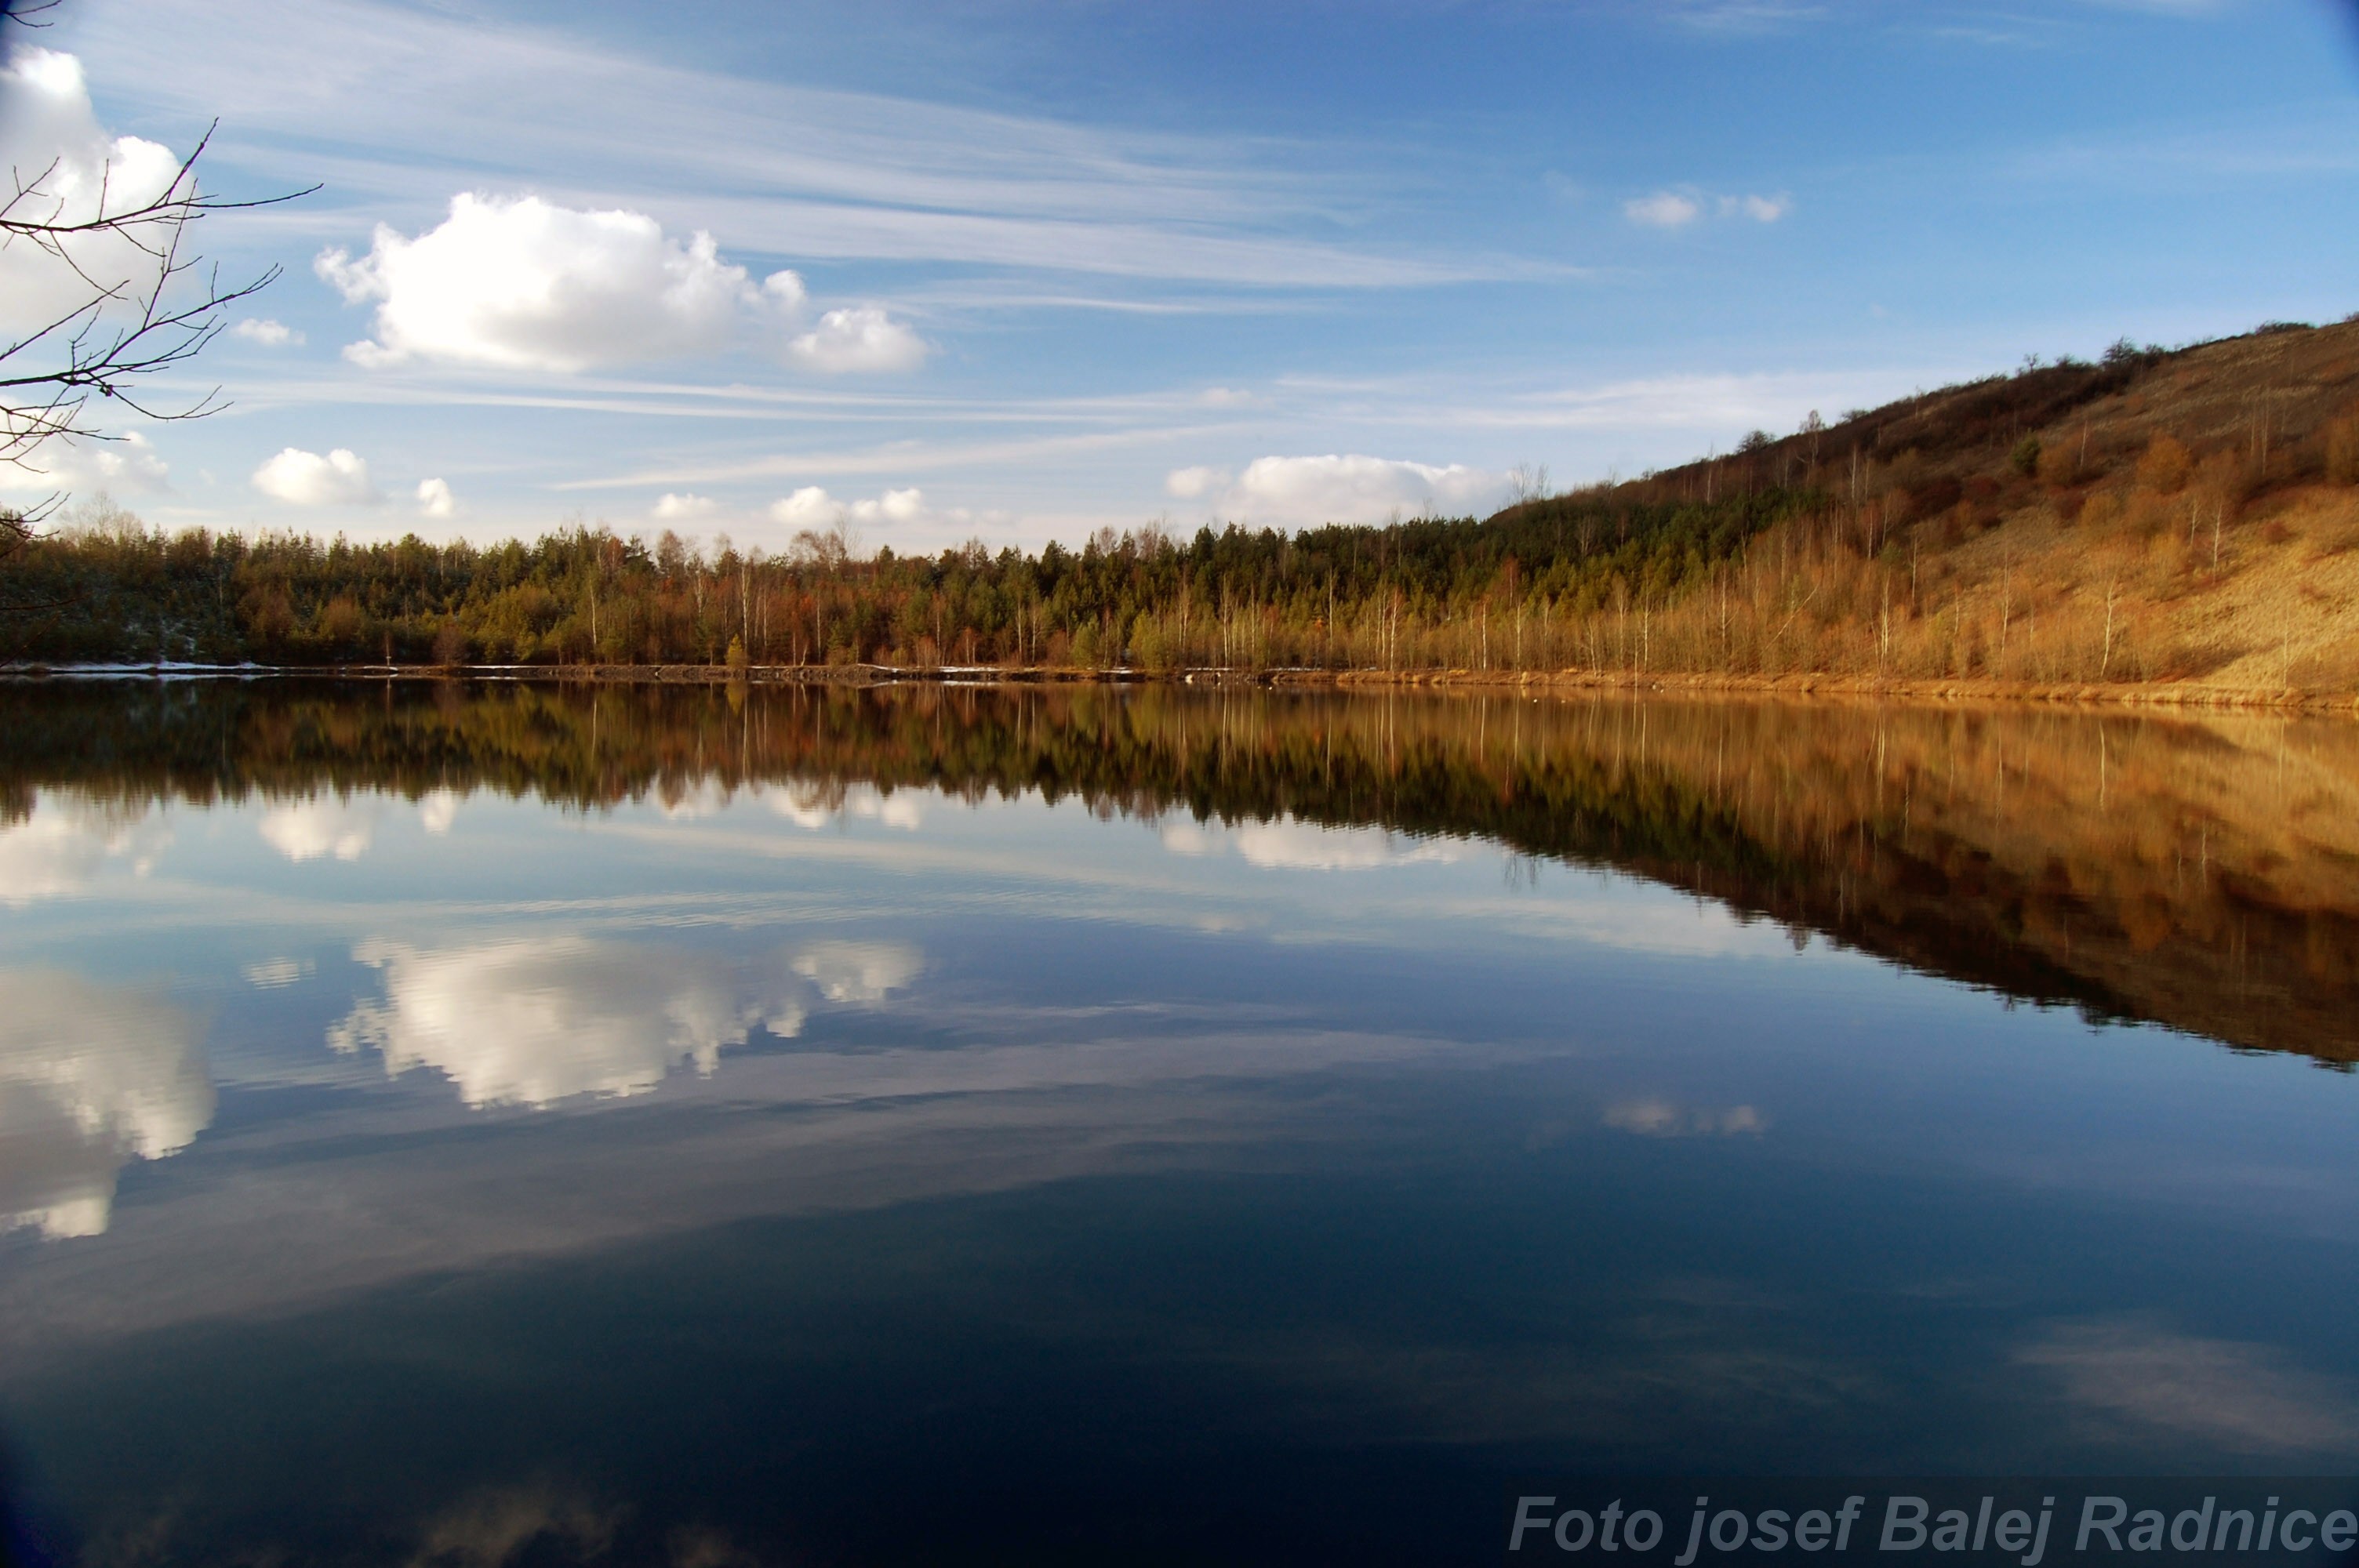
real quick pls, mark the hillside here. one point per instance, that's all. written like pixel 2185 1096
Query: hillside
pixel 2184 520
pixel 2183 516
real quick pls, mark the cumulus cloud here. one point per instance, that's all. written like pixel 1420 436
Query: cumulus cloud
pixel 46 123
pixel 1663 209
pixel 1764 209
pixel 126 466
pixel 59 849
pixel 1342 488
pixel 434 498
pixel 1190 483
pixel 858 338
pixel 322 825
pixel 89 1079
pixel 812 507
pixel 859 971
pixel 539 1020
pixel 269 333
pixel 522 284
pixel 669 508
pixel 306 479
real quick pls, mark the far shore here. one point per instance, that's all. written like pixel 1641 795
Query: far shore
pixel 2147 694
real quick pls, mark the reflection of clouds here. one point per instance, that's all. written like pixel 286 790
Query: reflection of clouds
pixel 538 1020
pixel 819 804
pixel 322 825
pixel 438 809
pixel 56 850
pixel 1291 844
pixel 1661 1118
pixel 271 974
pixel 496 1526
pixel 810 1131
pixel 89 1079
pixel 2239 1395
pixel 859 971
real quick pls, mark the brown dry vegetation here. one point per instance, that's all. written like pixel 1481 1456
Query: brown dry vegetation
pixel 2188 519
pixel 2164 523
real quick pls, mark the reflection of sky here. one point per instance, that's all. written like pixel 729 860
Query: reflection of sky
pixel 245 1073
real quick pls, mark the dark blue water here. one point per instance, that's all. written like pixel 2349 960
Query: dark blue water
pixel 1020 1127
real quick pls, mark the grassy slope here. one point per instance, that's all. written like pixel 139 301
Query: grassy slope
pixel 1943 559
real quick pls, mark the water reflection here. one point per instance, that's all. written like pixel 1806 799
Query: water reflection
pixel 91 1079
pixel 533 1020
pixel 2196 870
pixel 57 849
pixel 307 829
pixel 684 1116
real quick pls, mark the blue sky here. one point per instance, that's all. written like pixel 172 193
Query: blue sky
pixel 1020 271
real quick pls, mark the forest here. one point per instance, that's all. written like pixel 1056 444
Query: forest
pixel 2155 516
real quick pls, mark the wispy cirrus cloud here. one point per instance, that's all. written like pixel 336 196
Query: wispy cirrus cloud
pixel 771 167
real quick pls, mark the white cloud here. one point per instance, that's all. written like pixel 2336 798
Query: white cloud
pixel 126 465
pixel 51 140
pixel 790 169
pixel 521 283
pixel 1766 209
pixel 812 507
pixel 322 825
pixel 539 1020
pixel 893 506
pixel 90 1078
pixel 1663 209
pixel 858 338
pixel 672 508
pixel 434 498
pixel 269 333
pixel 60 849
pixel 306 479
pixel 859 971
pixel 1354 489
pixel 1189 484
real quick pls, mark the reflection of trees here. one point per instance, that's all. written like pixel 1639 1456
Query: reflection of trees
pixel 2197 872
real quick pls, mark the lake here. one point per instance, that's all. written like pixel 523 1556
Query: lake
pixel 523 1123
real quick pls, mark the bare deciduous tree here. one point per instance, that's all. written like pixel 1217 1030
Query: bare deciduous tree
pixel 135 303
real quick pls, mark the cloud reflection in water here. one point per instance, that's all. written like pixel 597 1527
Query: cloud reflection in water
pixel 537 1020
pixel 89 1079
pixel 56 850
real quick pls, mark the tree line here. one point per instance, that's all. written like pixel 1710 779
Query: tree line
pixel 2129 488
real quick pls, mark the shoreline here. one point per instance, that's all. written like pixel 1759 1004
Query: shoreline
pixel 2173 695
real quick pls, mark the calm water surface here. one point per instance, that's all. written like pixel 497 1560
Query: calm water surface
pixel 531 1125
